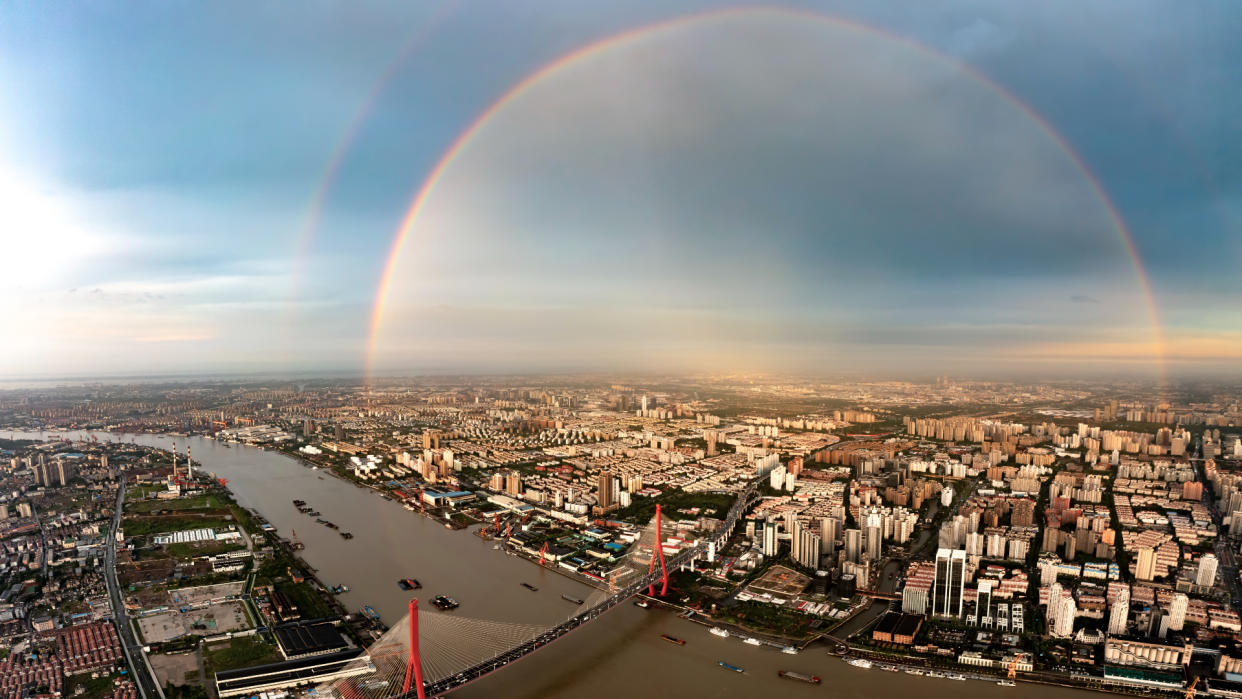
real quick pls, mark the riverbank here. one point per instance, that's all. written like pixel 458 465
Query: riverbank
pixel 603 657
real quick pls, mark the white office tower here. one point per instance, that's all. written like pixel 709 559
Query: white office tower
pixel 1206 575
pixel 1119 613
pixel 950 583
pixel 946 497
pixel 1177 612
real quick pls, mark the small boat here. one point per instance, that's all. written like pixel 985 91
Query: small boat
pixel 642 603
pixel 958 677
pixel 716 631
pixel 753 642
pixel 567 598
pixel 346 535
pixel 1007 683
pixel 408 584
pixel 859 662
pixel 791 675
pixel 889 668
pixel 530 587
pixel 444 602
pixel 672 639
pixel 727 666
pixel 790 650
pixel 338 589
pixel 366 609
pixel 915 672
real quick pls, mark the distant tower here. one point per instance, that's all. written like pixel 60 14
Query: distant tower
pixel 189 465
pixel 174 452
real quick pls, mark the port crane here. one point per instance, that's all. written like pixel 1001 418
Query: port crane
pixel 1013 670
pixel 1190 688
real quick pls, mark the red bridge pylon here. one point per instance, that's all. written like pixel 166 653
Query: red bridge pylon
pixel 658 551
pixel 414 666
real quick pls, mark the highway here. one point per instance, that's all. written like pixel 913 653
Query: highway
pixel 147 686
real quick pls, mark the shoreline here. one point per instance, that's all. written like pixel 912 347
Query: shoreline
pixel 901 662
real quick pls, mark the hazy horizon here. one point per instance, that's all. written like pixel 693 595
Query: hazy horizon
pixel 968 189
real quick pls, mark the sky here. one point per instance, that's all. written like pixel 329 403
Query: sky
pixel 817 187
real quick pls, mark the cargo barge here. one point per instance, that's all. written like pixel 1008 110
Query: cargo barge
pixel 791 675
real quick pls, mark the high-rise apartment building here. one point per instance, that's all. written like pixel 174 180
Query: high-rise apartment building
pixel 853 545
pixel 604 494
pixel 1205 576
pixel 1119 613
pixel 1177 611
pixel 1145 569
pixel 805 546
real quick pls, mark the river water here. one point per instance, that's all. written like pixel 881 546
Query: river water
pixel 618 657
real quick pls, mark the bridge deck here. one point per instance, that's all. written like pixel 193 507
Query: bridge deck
pixel 447 684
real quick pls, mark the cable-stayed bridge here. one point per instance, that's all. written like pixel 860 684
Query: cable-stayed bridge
pixel 433 654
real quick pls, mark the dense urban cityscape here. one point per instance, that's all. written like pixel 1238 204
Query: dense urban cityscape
pixel 549 349
pixel 1061 533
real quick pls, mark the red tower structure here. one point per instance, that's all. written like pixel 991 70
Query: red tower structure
pixel 658 551
pixel 414 666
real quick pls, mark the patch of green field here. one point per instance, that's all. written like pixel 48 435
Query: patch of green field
pixel 201 502
pixel 244 651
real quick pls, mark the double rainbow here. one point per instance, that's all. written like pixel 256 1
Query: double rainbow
pixel 405 231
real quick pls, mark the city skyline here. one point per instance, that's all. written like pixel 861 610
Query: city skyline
pixel 818 188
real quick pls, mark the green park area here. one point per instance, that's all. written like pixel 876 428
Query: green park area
pixel 242 651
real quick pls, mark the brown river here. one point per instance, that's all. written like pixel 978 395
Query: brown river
pixel 620 656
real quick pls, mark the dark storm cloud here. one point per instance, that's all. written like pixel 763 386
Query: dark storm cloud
pixel 896 205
